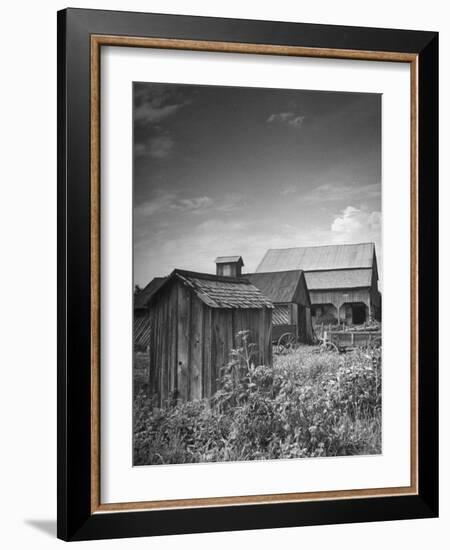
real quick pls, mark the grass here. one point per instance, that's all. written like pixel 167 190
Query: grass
pixel 140 373
pixel 308 404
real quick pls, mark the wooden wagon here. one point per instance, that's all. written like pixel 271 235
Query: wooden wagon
pixel 284 337
pixel 346 340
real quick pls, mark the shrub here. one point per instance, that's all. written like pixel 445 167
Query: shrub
pixel 306 405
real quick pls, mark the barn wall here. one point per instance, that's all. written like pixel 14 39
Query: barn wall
pixel 301 293
pixel 259 324
pixel 153 372
pixel 294 309
pixel 266 337
pixel 301 322
pixel 375 297
pixel 334 300
pixel 207 353
pixel 328 310
pixel 183 342
pixel 339 297
pixel 190 343
pixel 224 325
pixel 304 324
pixel 163 352
pixel 305 328
pixel 309 326
pixel 172 344
pixel 196 349
pixel 222 341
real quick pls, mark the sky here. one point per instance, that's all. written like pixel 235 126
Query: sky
pixel 223 171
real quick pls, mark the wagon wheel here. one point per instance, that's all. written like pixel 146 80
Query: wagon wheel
pixel 285 342
pixel 329 346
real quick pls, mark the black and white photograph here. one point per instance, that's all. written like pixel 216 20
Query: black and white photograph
pixel 258 270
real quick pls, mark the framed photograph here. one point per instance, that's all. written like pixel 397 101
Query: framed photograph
pixel 247 253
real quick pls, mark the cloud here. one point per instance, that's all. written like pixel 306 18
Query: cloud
pixel 331 192
pixel 297 121
pixel 157 147
pixel 160 203
pixel 173 230
pixel 356 222
pixel 160 146
pixel 190 205
pixel 195 246
pixel 153 103
pixel 147 112
pixel 290 118
pixel 230 203
pixel 166 202
pixel 357 225
pixel 289 190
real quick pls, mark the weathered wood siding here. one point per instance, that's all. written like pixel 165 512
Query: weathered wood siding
pixel 339 297
pixel 309 325
pixel 369 296
pixel 191 342
pixel 301 324
pixel 302 296
pixel 375 297
pixel 196 356
pixel 163 353
pixel 183 343
pixel 225 325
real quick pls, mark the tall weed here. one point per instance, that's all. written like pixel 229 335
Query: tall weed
pixel 306 405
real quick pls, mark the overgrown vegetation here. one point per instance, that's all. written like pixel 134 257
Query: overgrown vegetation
pixel 308 404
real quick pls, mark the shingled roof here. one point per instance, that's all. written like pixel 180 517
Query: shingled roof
pixel 279 286
pixel 342 278
pixel 315 258
pixel 220 292
pixel 142 298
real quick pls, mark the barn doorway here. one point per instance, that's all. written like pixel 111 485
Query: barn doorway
pixel 359 314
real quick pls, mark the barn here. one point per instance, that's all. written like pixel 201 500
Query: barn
pixel 342 279
pixel 141 319
pixel 194 320
pixel 289 294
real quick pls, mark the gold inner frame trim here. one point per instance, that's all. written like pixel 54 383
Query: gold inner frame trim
pixel 97 41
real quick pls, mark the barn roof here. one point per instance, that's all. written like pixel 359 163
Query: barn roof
pixel 221 292
pixel 142 298
pixel 339 278
pixel 315 258
pixel 280 286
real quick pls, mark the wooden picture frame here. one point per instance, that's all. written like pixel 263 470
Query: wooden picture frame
pixel 81 35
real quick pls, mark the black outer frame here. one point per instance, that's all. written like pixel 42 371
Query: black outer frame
pixel 75 521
